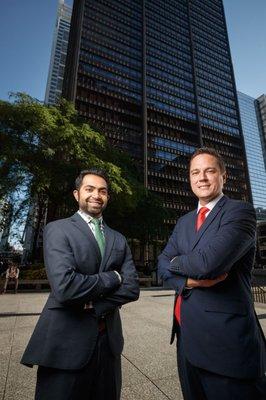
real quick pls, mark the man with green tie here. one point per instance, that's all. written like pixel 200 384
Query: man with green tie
pixel 77 342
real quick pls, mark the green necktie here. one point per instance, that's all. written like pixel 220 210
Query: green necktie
pixel 99 236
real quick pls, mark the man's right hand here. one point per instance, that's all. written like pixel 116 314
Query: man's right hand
pixel 193 283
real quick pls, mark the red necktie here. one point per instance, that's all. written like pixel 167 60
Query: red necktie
pixel 200 219
pixel 178 309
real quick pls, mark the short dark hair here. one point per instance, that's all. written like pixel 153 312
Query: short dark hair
pixel 92 171
pixel 211 152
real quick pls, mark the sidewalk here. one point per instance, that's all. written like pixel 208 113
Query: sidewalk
pixel 149 362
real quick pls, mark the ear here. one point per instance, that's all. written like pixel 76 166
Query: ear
pixel 224 177
pixel 76 194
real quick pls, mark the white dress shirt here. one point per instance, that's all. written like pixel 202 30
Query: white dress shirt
pixel 211 204
pixel 88 219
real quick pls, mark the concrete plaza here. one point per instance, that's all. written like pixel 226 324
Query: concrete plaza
pixel 149 362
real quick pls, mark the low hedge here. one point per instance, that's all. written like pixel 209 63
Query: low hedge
pixel 33 274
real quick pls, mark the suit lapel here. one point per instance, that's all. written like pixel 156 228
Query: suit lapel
pixel 85 229
pixel 191 228
pixel 208 221
pixel 109 242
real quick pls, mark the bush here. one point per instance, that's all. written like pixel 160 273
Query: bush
pixel 31 266
pixel 33 274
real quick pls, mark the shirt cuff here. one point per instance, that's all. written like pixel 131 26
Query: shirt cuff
pixel 119 276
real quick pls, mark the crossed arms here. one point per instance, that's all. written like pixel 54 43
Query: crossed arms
pixel 71 287
pixel 208 264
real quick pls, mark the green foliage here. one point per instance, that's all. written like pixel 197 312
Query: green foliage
pixel 144 220
pixel 43 149
pixel 34 266
pixel 33 274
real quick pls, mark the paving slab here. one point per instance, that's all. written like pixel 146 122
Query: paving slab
pixel 170 386
pixel 4 365
pixel 131 374
pixel 148 361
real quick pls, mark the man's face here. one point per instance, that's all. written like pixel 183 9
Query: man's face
pixel 92 195
pixel 206 178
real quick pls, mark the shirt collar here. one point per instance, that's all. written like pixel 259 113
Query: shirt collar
pixel 88 218
pixel 211 204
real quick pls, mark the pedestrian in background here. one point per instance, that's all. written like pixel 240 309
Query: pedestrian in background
pixel 12 274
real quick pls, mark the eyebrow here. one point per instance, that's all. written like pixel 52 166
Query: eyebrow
pixel 198 169
pixel 94 187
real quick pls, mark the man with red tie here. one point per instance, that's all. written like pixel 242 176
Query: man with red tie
pixel 221 350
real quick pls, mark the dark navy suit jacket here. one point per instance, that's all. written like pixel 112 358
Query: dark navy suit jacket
pixel 219 327
pixel 65 335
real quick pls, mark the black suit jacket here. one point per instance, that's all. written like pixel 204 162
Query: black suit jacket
pixel 219 327
pixel 65 334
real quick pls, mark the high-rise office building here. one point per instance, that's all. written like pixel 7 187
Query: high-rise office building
pixel 58 53
pixel 32 237
pixel 53 92
pixel 6 214
pixel 251 119
pixel 261 102
pixel 156 77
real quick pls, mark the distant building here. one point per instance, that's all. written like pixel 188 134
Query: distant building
pixel 252 119
pixel 32 235
pixel 261 244
pixel 33 232
pixel 156 77
pixel 6 213
pixel 58 54
pixel 261 101
pixel 29 233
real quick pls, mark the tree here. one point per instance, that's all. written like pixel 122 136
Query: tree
pixel 43 148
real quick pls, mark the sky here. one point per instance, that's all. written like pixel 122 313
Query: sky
pixel 26 34
pixel 26 31
pixel 246 25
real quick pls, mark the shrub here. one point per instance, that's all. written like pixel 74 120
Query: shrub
pixel 33 274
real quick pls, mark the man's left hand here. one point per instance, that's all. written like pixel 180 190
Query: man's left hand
pixel 194 283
